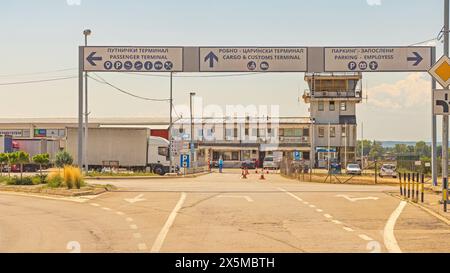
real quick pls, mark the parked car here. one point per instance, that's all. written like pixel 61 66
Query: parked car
pixel 335 168
pixel 270 163
pixel 388 170
pixel 249 164
pixel 353 169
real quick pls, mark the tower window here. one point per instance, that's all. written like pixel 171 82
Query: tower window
pixel 321 106
pixel 343 106
pixel 332 106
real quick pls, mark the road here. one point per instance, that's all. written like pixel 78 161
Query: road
pixel 221 213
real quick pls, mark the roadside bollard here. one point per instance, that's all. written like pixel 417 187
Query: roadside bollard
pixel 409 185
pixel 404 184
pixel 400 183
pixel 417 188
pixel 413 185
pixel 423 188
pixel 444 193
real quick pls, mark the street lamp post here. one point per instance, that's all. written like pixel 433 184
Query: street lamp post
pixel 86 33
pixel 191 95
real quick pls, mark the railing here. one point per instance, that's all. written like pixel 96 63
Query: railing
pixel 333 94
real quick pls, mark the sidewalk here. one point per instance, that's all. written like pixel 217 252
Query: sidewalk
pixel 431 204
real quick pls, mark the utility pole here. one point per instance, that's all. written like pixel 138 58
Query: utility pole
pixel 434 163
pixel 80 106
pixel 170 125
pixel 329 148
pixel 86 33
pixel 362 146
pixel 191 95
pixel 345 149
pixel 445 117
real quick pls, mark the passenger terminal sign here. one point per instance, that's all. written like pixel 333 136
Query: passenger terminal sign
pixel 253 59
pixel 133 59
pixel 377 59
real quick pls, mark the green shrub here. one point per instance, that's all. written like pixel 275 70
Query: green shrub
pixel 25 181
pixel 38 180
pixel 55 181
pixel 4 179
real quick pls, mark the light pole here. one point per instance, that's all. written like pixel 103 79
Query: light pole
pixel 86 33
pixel 191 95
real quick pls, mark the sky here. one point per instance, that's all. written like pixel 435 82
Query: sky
pixel 40 41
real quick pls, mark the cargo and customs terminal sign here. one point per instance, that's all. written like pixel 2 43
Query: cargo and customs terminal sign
pixel 255 59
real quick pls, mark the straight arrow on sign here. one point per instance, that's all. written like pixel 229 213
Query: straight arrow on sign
pixel 211 57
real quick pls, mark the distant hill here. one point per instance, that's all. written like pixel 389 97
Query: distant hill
pixel 391 144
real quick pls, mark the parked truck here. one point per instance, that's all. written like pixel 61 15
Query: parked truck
pixel 130 148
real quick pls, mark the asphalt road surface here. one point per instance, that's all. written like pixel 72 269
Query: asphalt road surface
pixel 221 213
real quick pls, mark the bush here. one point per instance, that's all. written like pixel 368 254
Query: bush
pixel 4 179
pixel 25 181
pixel 38 180
pixel 73 177
pixel 54 180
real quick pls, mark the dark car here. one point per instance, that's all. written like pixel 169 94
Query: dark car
pixel 248 164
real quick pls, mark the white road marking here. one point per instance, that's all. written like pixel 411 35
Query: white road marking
pixel 135 199
pixel 319 210
pixel 389 238
pixel 105 208
pixel 365 237
pixel 312 206
pixel 142 246
pixel 357 199
pixel 306 203
pixel 337 222
pixel 348 229
pixel 137 235
pixel 328 216
pixel 120 213
pixel 248 198
pixel 133 227
pixel 163 233
pixel 95 205
pixel 129 219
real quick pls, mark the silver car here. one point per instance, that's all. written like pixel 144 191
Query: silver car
pixel 388 170
pixel 353 169
pixel 270 163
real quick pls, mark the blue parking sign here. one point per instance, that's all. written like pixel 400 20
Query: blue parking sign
pixel 185 161
pixel 297 156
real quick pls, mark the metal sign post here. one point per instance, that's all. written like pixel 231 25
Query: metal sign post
pixel 80 106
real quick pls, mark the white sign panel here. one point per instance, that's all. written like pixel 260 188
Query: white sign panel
pixel 441 102
pixel 253 59
pixel 377 59
pixel 133 59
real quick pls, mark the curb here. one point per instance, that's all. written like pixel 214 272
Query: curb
pixel 143 177
pixel 429 211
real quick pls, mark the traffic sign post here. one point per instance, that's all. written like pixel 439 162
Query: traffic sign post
pixel 441 71
pixel 441 102
pixel 377 59
pixel 253 59
pixel 185 162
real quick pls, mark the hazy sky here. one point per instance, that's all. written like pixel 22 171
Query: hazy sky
pixel 42 36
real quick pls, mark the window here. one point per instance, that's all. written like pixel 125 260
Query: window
pixel 332 131
pixel 320 106
pixel 293 132
pixel 163 151
pixel 343 131
pixel 235 156
pixel 332 106
pixel 246 131
pixel 306 132
pixel 181 130
pixel 321 132
pixel 235 132
pixel 343 106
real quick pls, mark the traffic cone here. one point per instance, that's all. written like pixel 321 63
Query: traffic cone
pixel 256 170
pixel 244 175
pixel 262 176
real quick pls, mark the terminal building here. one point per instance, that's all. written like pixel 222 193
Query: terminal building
pixel 329 131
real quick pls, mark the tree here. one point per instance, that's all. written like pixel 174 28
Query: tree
pixel 400 149
pixel 422 149
pixel 3 161
pixel 367 147
pixel 41 159
pixel 12 160
pixel 22 158
pixel 63 158
pixel 377 150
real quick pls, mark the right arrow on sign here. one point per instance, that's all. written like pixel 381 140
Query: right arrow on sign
pixel 211 57
pixel 417 59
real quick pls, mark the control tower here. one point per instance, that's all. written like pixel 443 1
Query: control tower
pixel 333 98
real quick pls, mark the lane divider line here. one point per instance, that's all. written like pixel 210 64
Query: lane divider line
pixel 337 222
pixel 365 237
pixel 389 238
pixel 165 229
pixel 133 227
pixel 348 229
pixel 327 216
pixel 319 210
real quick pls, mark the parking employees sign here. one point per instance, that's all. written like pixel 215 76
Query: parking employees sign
pixel 133 59
pixel 377 59
pixel 253 59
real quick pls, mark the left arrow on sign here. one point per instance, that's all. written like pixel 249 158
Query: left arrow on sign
pixel 417 59
pixel 92 58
